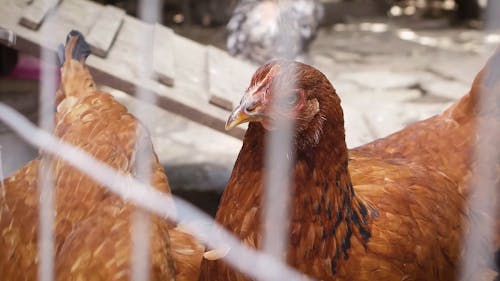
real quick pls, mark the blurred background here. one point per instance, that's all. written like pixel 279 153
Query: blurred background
pixel 393 62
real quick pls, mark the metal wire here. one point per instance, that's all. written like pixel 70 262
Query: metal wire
pixel 148 12
pixel 482 200
pixel 47 110
pixel 280 158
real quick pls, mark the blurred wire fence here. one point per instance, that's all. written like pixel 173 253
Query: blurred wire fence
pixel 268 264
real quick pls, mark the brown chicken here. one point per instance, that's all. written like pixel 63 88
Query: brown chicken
pixel 92 226
pixel 390 210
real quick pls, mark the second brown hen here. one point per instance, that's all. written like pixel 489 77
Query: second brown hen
pixel 92 225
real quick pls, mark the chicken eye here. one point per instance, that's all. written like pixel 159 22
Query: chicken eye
pixel 268 91
pixel 292 99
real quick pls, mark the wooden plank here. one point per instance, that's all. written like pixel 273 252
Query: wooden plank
pixel 163 56
pixel 228 78
pixel 188 98
pixel 34 14
pixel 191 66
pixel 221 102
pixel 102 35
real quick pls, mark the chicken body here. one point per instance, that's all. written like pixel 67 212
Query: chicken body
pixel 461 143
pixel 385 211
pixel 260 30
pixel 92 226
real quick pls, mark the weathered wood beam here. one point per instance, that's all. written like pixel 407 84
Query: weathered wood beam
pixel 35 13
pixel 163 56
pixel 102 35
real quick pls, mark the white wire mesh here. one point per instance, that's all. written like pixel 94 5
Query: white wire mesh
pixel 47 101
pixel 483 200
pixel 148 12
pixel 279 160
pixel 483 206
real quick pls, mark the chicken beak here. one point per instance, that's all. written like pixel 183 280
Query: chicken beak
pixel 238 116
pixel 248 110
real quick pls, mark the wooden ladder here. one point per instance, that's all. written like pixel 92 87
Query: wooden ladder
pixel 201 83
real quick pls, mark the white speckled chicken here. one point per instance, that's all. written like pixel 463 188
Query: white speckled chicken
pixel 260 30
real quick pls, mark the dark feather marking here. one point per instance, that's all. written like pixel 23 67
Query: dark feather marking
pixel 332 231
pixel 318 209
pixel 355 218
pixel 305 203
pixel 338 220
pixel 334 261
pixel 362 210
pixel 346 202
pixel 346 243
pixel 365 234
pixel 340 216
pixel 351 190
